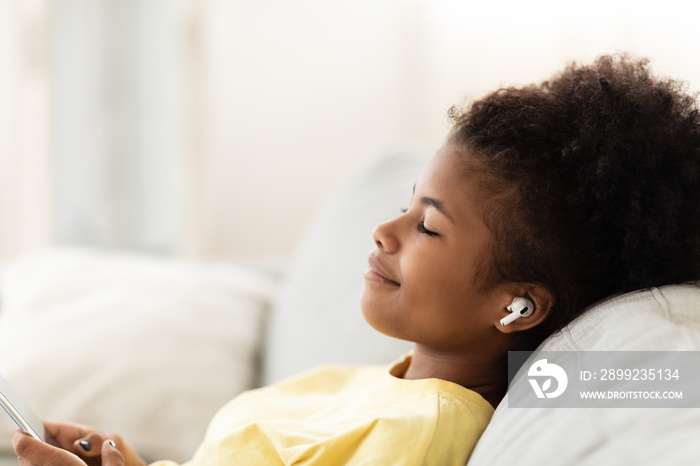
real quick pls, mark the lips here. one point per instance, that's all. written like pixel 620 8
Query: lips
pixel 376 273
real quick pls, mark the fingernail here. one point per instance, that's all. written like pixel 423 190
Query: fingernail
pixel 113 445
pixel 86 445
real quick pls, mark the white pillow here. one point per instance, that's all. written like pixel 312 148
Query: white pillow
pixel 659 319
pixel 317 318
pixel 142 346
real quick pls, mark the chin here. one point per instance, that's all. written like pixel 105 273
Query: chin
pixel 367 307
pixel 376 316
pixel 371 311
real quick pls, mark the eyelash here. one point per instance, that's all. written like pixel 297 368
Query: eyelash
pixel 421 226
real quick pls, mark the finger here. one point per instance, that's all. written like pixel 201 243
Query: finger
pixel 32 451
pixel 22 443
pixel 66 433
pixel 23 462
pixel 110 455
pixel 88 446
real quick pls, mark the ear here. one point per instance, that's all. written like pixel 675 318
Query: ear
pixel 543 300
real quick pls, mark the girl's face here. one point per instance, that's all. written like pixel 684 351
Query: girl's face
pixel 424 280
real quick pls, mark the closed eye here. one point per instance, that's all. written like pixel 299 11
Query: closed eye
pixel 422 229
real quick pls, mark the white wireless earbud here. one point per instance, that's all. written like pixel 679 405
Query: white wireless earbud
pixel 520 307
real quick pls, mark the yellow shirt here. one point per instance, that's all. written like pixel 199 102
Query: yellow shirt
pixel 340 415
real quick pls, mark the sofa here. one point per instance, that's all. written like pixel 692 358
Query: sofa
pixel 150 346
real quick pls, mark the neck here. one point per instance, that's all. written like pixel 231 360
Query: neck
pixel 482 373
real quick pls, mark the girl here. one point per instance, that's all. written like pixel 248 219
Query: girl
pixel 563 193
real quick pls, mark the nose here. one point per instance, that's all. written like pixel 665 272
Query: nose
pixel 385 238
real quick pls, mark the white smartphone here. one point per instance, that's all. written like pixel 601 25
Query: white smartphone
pixel 20 412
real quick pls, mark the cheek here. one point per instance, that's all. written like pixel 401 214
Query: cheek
pixel 436 279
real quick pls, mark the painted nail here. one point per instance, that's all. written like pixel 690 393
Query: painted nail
pixel 86 445
pixel 114 445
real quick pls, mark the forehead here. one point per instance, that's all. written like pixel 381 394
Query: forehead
pixel 453 165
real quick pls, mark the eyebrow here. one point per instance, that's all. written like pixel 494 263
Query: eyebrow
pixel 429 201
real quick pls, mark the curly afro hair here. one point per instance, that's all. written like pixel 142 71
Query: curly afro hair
pixel 593 180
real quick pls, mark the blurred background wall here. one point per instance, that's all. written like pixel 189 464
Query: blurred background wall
pixel 215 128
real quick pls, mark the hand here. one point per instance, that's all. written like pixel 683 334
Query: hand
pixel 86 443
pixel 32 452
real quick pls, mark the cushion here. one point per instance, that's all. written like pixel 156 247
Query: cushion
pixel 143 346
pixel 658 319
pixel 317 319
